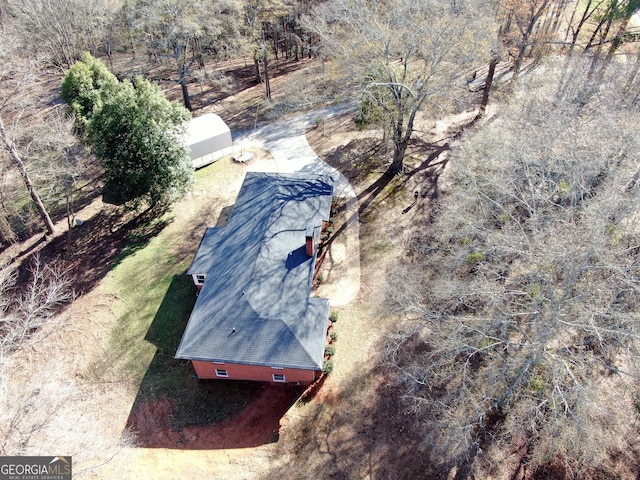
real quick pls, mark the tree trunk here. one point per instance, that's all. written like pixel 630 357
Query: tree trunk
pixel 400 140
pixel 401 133
pixel 267 85
pixel 256 63
pixel 487 85
pixel 557 9
pixel 606 23
pixel 183 86
pixel 397 165
pixel 517 63
pixel 15 157
pixel 586 14
pixel 570 22
pixel 618 39
pixel 527 34
pixel 70 219
pixel 276 40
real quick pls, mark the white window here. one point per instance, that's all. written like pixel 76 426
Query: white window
pixel 277 377
pixel 200 279
pixel 221 373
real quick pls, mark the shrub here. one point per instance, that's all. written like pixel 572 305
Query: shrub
pixel 475 257
pixel 533 290
pixel 466 241
pixel 333 317
pixel 334 336
pixel 85 87
pixel 330 351
pixel 327 367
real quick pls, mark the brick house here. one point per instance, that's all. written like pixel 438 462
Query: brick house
pixel 255 318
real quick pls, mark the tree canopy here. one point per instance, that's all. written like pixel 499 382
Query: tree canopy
pixel 138 136
pixel 523 296
pixel 405 54
pixel 86 86
pixel 183 31
pixel 133 129
pixel 61 29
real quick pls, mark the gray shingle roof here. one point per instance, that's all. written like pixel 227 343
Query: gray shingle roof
pixel 255 306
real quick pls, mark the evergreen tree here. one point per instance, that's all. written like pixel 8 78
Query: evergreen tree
pixel 86 86
pixel 137 135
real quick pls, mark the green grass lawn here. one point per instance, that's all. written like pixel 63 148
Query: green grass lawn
pixel 153 300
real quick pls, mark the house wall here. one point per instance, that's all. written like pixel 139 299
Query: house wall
pixel 207 370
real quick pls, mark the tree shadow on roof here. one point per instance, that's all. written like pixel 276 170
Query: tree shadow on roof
pixel 173 409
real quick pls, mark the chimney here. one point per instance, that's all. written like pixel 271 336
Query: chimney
pixel 310 237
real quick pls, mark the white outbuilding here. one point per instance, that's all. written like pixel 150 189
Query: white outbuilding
pixel 208 139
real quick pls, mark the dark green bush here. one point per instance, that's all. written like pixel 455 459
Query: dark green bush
pixel 327 367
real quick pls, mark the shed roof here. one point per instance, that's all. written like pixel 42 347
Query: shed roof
pixel 206 126
pixel 255 306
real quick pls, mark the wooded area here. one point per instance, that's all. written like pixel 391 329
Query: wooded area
pixel 517 294
pixel 393 76
pixel 528 318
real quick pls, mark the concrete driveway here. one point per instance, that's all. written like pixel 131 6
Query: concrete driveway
pixel 286 141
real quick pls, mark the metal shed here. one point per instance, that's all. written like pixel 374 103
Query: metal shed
pixel 208 139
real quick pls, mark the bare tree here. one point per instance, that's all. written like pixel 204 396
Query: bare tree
pixel 19 163
pixel 522 301
pixel 64 29
pixel 58 159
pixel 23 313
pixel 522 26
pixel 40 146
pixel 261 57
pixel 576 22
pixel 405 55
pixel 258 16
pixel 12 82
pixel 624 12
pixel 178 28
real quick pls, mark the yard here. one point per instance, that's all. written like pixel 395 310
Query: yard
pixel 106 389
